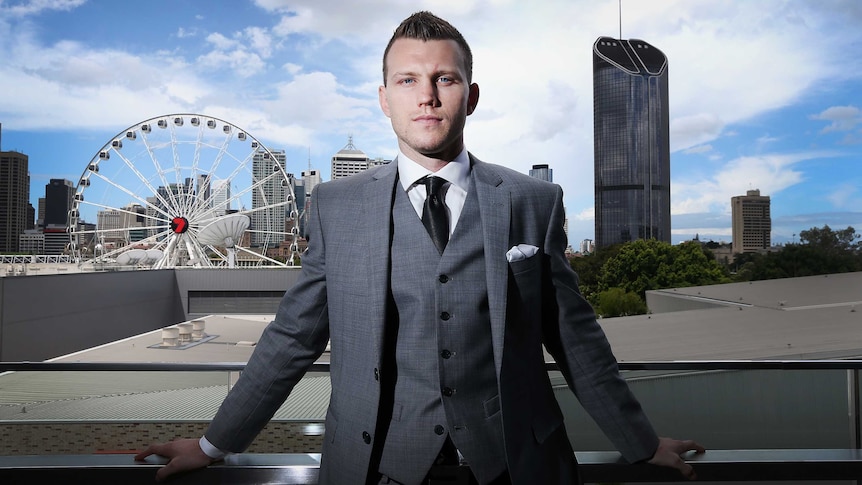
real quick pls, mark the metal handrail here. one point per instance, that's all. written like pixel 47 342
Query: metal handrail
pixel 674 365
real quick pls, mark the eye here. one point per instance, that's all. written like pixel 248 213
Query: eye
pixel 445 79
pixel 407 81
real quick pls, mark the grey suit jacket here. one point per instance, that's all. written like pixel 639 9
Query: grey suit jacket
pixel 342 298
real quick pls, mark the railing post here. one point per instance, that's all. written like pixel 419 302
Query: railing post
pixel 853 409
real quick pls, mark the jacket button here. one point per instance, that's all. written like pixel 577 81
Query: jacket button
pixel 376 374
pixel 366 437
pixel 438 430
pixel 443 278
pixel 446 354
pixel 445 316
pixel 448 391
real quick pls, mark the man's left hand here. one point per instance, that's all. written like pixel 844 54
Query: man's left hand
pixel 668 454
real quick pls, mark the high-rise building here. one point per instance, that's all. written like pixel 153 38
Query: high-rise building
pixel 40 213
pixel 542 172
pixel 124 225
pixel 350 161
pixel 272 194
pixel 752 223
pixel 220 197
pixel 59 196
pixel 14 198
pixel 310 180
pixel 631 141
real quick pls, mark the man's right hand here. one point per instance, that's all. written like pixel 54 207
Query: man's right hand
pixel 183 456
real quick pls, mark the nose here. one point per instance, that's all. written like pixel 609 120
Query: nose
pixel 428 94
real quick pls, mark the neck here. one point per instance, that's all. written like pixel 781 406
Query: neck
pixel 431 161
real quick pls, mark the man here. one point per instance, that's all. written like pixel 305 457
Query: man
pixel 436 337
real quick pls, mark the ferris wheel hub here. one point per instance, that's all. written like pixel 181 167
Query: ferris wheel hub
pixel 179 225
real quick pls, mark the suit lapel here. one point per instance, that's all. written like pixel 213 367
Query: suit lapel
pixel 377 214
pixel 495 211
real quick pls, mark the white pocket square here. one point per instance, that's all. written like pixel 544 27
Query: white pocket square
pixel 521 252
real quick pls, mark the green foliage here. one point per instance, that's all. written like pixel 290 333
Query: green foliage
pixel 831 241
pixel 615 279
pixel 651 265
pixel 821 251
pixel 589 268
pixel 616 302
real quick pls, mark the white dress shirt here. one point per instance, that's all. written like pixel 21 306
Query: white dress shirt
pixel 456 173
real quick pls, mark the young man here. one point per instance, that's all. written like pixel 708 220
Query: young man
pixel 436 337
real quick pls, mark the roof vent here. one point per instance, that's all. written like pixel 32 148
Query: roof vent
pixel 198 327
pixel 170 336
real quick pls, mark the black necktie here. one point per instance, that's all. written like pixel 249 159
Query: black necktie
pixel 434 212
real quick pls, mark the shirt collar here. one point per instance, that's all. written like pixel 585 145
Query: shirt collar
pixel 456 172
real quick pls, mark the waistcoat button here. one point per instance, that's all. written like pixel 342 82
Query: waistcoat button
pixel 439 429
pixel 446 354
pixel 443 278
pixel 448 391
pixel 445 316
pixel 376 374
pixel 366 437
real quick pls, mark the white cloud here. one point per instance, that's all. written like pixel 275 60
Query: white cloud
pixel 183 33
pixel 843 118
pixel 694 130
pixel 699 149
pixel 846 196
pixel 588 214
pixel 259 40
pixel 34 7
pixel 771 173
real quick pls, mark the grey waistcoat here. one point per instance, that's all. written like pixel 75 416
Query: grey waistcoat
pixel 444 377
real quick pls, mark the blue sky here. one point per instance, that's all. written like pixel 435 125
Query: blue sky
pixel 763 95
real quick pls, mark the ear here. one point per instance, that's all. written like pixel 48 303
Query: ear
pixel 472 98
pixel 384 103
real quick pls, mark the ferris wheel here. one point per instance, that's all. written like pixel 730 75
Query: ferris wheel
pixel 184 190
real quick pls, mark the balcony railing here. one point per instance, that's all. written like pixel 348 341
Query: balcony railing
pixel 812 463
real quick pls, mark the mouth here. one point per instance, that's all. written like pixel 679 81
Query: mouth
pixel 427 119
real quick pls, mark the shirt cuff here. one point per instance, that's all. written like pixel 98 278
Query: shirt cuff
pixel 210 450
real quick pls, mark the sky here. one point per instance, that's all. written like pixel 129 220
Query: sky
pixel 764 94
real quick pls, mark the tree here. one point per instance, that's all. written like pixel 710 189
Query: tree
pixel 821 251
pixel 616 302
pixel 651 265
pixel 831 241
pixel 589 268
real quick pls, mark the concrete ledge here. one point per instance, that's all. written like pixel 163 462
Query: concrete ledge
pixel 302 469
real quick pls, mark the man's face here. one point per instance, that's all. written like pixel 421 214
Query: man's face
pixel 427 98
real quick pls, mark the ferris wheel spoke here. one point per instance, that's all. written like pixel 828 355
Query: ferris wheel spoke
pixel 225 187
pixel 140 176
pixel 119 209
pixel 257 255
pixel 158 170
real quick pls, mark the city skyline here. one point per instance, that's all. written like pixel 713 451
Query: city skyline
pixel 762 94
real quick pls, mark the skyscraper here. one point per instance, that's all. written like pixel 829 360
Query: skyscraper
pixel 631 141
pixel 271 219
pixel 59 195
pixel 542 172
pixel 752 223
pixel 14 198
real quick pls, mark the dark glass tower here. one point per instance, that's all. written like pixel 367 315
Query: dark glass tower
pixel 59 195
pixel 632 150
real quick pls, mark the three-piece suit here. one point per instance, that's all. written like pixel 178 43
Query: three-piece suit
pixel 427 347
